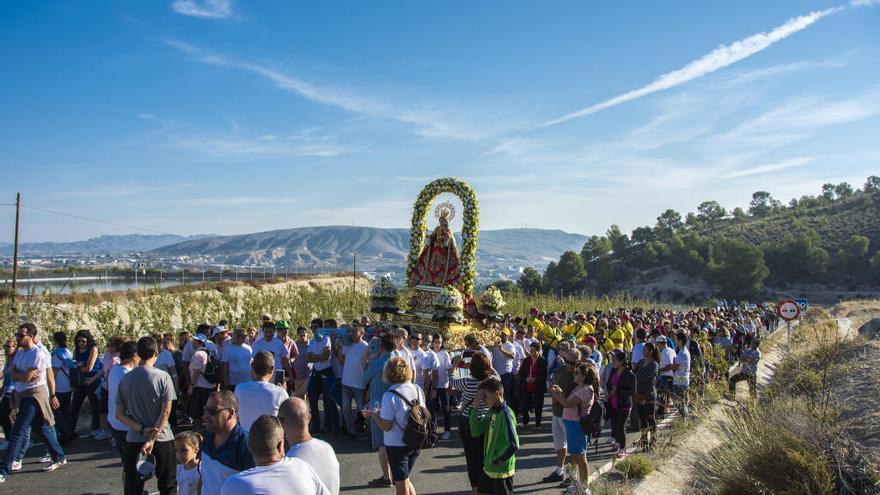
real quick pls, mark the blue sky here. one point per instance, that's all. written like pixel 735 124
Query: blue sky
pixel 226 116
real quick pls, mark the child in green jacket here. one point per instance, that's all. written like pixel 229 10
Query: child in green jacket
pixel 500 441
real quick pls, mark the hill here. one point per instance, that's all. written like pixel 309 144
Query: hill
pixel 820 247
pixel 377 249
pixel 105 244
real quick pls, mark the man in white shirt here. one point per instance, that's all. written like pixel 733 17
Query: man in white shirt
pixel 418 358
pixel 274 345
pixel 29 369
pixel 295 417
pixel 400 338
pixel 667 369
pixel 322 382
pixel 354 386
pixel 200 388
pixel 274 473
pixel 236 361
pixel 260 396
pixel 437 367
pixel 502 361
pixel 681 379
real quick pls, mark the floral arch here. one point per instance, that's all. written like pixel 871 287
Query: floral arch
pixel 469 231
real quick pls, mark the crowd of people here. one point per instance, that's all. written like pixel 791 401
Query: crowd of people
pixel 228 411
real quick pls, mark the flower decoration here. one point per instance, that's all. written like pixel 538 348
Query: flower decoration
pixel 384 296
pixel 491 302
pixel 470 226
pixel 449 306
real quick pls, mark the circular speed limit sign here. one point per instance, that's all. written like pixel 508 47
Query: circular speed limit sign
pixel 788 310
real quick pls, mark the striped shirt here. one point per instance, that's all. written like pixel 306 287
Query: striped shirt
pixel 468 388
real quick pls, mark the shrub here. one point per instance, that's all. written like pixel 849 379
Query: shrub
pixel 635 466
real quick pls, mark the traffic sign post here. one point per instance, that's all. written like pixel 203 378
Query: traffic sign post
pixel 788 310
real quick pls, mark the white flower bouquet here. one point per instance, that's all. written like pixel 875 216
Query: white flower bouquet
pixel 448 306
pixel 491 302
pixel 384 296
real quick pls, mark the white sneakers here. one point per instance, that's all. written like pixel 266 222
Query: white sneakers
pixel 55 465
pixel 46 458
pixel 16 466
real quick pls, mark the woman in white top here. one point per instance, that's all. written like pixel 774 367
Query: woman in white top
pixel 392 418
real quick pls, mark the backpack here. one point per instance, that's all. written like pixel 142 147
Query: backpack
pixel 211 373
pixel 69 369
pixel 592 422
pixel 420 432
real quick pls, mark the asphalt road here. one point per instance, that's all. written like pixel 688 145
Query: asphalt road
pixel 93 467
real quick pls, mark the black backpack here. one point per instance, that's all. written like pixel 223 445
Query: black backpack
pixel 592 422
pixel 211 373
pixel 419 432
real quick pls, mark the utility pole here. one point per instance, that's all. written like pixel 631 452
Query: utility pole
pixel 15 249
pixel 354 264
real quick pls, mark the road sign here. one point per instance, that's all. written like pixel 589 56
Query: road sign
pixel 788 310
pixel 802 303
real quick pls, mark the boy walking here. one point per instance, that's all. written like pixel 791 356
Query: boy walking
pixel 500 441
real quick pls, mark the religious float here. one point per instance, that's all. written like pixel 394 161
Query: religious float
pixel 439 296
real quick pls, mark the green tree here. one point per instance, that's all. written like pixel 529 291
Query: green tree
pixel 828 192
pixel 843 190
pixel 872 184
pixel 798 256
pixel 570 273
pixel 737 268
pixel 739 214
pixel 596 247
pixel 642 235
pixel 854 254
pixel 763 204
pixel 875 266
pixel 668 223
pixel 550 279
pixel 529 281
pixel 604 275
pixel 619 240
pixel 711 212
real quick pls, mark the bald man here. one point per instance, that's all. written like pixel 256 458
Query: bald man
pixel 295 416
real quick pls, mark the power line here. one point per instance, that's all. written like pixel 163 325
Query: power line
pixel 107 222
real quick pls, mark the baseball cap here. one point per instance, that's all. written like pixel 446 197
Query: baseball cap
pixel 266 316
pixel 282 325
pixel 146 466
pixel 660 339
pixel 201 338
pixel 217 330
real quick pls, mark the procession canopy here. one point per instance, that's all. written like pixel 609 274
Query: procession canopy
pixel 434 260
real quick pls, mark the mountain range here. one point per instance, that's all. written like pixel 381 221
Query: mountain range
pixel 376 248
pixel 102 245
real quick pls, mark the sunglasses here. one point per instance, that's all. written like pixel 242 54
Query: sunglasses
pixel 20 335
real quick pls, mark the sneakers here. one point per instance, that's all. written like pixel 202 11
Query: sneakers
pixel 46 458
pixel 55 465
pixel 103 435
pixel 445 435
pixel 381 482
pixel 621 454
pixel 16 466
pixel 2 478
pixel 553 477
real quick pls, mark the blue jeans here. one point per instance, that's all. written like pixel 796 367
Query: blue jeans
pixel 29 415
pixel 507 383
pixel 80 394
pixel 323 385
pixel 359 395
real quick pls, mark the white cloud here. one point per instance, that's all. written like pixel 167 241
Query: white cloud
pixel 718 58
pixel 770 167
pixel 237 144
pixel 206 9
pixel 430 121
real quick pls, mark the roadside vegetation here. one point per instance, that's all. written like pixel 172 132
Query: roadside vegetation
pixel 793 440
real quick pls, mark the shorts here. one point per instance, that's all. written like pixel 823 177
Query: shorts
pixel 377 436
pixel 558 429
pixel 575 436
pixel 103 406
pixel 196 406
pixel 401 460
